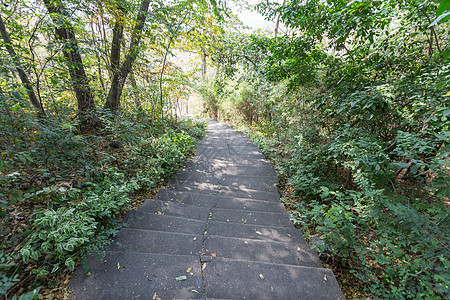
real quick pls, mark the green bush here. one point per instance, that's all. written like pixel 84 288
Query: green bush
pixel 73 188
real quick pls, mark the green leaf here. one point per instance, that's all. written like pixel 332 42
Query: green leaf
pixel 443 6
pixel 446 54
pixel 70 263
pixel 403 165
pixel 181 278
pixel 442 18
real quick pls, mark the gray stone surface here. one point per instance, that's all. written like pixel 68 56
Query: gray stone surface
pixel 149 221
pixel 234 279
pixel 159 242
pixel 263 251
pixel 135 275
pixel 221 213
pixel 187 198
pixel 258 232
pixel 251 217
pixel 176 209
pixel 250 204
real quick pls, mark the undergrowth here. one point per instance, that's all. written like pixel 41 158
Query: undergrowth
pixel 63 191
pixel 385 231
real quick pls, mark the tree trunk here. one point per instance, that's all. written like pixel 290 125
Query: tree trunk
pixel 23 76
pixel 119 77
pixel 137 102
pixel 115 65
pixel 204 66
pixel 277 22
pixel 80 83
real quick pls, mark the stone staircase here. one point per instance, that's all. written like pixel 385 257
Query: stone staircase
pixel 217 231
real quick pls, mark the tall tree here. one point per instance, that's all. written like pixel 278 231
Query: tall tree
pixel 120 75
pixel 22 74
pixel 65 33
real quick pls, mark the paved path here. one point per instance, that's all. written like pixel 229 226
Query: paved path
pixel 219 223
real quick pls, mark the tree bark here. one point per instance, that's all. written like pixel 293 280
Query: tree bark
pixel 80 83
pixel 204 65
pixel 277 22
pixel 119 77
pixel 137 102
pixel 22 74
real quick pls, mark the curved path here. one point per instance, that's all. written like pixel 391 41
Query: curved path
pixel 217 231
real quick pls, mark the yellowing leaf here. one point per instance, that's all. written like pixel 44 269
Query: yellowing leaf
pixel 258 232
pixel 118 266
pixel 188 270
pixel 261 276
pixel 448 94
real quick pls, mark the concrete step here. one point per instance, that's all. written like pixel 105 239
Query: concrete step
pixel 250 204
pixel 176 209
pixel 234 279
pixel 160 242
pixel 264 251
pixel 149 221
pixel 254 183
pixel 258 232
pixel 135 275
pixel 263 192
pixel 194 187
pixel 217 189
pixel 251 217
pixel 204 200
pixel 195 199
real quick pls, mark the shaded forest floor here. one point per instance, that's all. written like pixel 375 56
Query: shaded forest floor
pixel 63 192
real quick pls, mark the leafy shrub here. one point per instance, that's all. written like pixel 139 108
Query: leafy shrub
pixel 72 188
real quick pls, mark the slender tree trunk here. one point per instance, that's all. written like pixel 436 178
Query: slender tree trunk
pixel 80 82
pixel 115 65
pixel 22 74
pixel 161 75
pixel 119 77
pixel 277 23
pixel 204 66
pixel 99 69
pixel 137 102
pixel 161 95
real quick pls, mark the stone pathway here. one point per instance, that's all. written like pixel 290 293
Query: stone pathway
pixel 218 231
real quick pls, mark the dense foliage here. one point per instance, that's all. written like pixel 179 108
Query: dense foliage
pixel 352 106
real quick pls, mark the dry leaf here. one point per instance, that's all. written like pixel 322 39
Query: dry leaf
pixel 213 255
pixel 258 232
pixel 118 266
pixel 188 270
pixel 261 276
